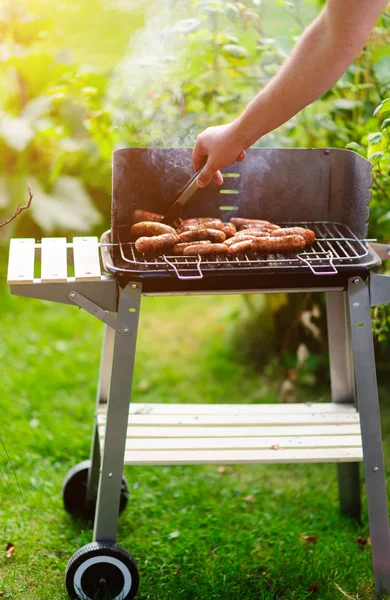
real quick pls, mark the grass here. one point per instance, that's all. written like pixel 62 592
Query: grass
pixel 239 527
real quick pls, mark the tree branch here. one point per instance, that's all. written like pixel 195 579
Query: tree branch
pixel 20 208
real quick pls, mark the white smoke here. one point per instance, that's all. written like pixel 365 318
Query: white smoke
pixel 152 68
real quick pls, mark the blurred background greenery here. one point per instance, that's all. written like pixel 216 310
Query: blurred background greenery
pixel 78 80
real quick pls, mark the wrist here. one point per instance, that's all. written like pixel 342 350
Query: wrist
pixel 247 131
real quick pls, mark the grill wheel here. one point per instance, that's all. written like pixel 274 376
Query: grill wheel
pixel 74 491
pixel 102 571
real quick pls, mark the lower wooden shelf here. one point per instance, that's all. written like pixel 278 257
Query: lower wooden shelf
pixel 181 434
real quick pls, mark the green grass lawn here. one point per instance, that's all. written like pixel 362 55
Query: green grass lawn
pixel 239 527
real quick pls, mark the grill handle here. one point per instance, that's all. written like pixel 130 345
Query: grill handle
pixel 319 269
pixel 185 277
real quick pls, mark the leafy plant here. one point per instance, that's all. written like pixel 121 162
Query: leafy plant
pixel 54 131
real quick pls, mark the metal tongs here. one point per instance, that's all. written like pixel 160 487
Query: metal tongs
pixel 173 215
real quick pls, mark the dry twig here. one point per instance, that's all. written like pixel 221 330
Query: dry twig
pixel 345 593
pixel 19 209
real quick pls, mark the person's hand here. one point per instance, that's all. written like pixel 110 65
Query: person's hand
pixel 215 148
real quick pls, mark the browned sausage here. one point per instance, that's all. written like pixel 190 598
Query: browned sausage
pixel 202 233
pixel 241 246
pixel 149 229
pixel 144 215
pixel 278 245
pixel 202 221
pixel 203 249
pixel 307 234
pixel 215 224
pixel 229 229
pixel 240 221
pixel 198 220
pixel 252 233
pixel 246 235
pixel 266 227
pixel 157 244
pixel 178 249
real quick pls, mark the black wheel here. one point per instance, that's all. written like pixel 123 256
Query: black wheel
pixel 102 571
pixel 74 491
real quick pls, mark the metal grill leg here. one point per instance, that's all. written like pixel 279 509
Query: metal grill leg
pixel 368 404
pixel 343 390
pixel 106 519
pixel 101 398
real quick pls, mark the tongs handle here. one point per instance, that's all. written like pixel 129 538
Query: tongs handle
pixel 188 190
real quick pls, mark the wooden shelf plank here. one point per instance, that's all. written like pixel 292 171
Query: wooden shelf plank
pixel 21 261
pixel 86 259
pixel 233 409
pixel 231 432
pixel 54 268
pixel 192 457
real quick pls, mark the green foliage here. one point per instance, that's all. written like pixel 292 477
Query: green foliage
pixel 54 131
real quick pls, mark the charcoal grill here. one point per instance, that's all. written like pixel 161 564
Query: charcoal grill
pixel 325 190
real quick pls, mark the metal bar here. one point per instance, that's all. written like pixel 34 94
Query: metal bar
pixel 347 242
pixel 368 403
pixel 110 480
pixel 103 292
pixel 343 390
pixel 101 398
pixel 98 312
pixel 379 289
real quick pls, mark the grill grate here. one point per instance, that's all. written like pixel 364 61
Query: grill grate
pixel 336 246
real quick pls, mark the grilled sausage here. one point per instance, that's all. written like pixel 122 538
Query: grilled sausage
pixel 149 229
pixel 202 221
pixel 214 224
pixel 229 229
pixel 243 235
pixel 203 249
pixel 157 244
pixel 178 249
pixel 241 246
pixel 255 233
pixel 202 233
pixel 266 227
pixel 144 215
pixel 307 234
pixel 240 221
pixel 278 245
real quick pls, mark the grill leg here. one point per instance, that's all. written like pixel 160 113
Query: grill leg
pixel 107 508
pixel 368 404
pixel 343 390
pixel 101 398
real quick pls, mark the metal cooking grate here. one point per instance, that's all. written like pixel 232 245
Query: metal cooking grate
pixel 335 246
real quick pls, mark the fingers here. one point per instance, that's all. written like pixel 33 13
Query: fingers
pixel 218 179
pixel 199 156
pixel 206 174
pixel 241 156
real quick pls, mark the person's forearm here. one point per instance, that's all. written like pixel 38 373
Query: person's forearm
pixel 316 63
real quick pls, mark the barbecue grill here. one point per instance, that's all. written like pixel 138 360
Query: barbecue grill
pixel 324 190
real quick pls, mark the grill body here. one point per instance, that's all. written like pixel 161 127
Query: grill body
pixel 325 190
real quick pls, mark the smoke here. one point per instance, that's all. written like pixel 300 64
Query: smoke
pixel 146 95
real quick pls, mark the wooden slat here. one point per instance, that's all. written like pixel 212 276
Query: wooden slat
pixel 54 260
pixel 243 443
pixel 86 259
pixel 21 261
pixel 240 409
pixel 232 432
pixel 235 420
pixel 218 457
